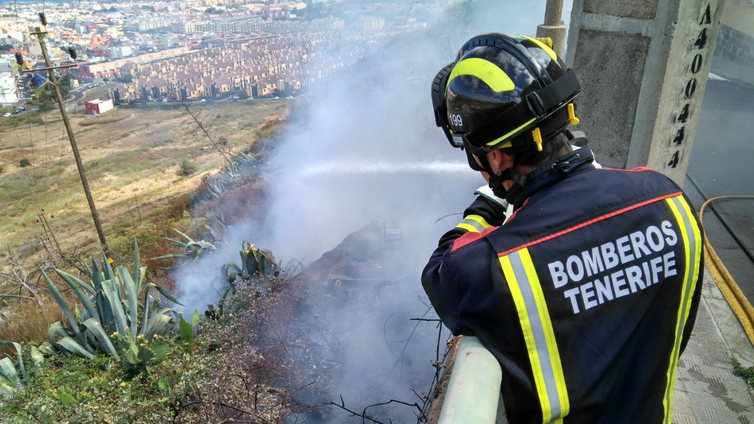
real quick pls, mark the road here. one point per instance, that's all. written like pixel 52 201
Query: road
pixel 77 93
pixel 721 164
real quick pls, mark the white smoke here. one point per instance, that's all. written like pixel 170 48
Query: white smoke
pixel 370 151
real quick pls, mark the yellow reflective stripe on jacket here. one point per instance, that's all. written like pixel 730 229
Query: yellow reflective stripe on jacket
pixel 692 246
pixel 473 223
pixel 539 336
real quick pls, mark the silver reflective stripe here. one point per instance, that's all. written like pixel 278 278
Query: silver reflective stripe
pixel 688 284
pixel 474 224
pixel 545 359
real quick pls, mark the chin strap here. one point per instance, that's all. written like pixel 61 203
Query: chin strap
pixel 496 179
pixel 519 182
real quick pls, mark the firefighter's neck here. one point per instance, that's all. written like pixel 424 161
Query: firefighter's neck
pixel 500 161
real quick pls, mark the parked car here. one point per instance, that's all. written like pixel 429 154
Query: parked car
pixel 6 115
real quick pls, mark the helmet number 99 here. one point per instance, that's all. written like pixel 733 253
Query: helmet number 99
pixel 456 120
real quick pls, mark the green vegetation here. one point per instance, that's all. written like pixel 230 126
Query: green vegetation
pixel 24 163
pixel 103 348
pixel 186 168
pixel 191 251
pixel 241 169
pixel 43 108
pixel 220 366
pixel 745 373
pixel 125 78
pixel 97 92
pixel 110 321
pixel 31 117
pixel 255 263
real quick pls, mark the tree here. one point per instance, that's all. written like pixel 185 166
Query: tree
pixel 24 163
pixel 186 168
pixel 45 107
pixel 14 277
pixel 46 94
pixel 65 81
pixel 106 80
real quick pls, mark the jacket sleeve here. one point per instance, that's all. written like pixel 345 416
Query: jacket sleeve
pixel 696 297
pixel 439 277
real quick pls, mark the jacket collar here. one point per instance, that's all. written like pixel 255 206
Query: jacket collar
pixel 551 172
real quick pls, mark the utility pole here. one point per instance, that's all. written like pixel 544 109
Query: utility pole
pixel 41 32
pixel 552 27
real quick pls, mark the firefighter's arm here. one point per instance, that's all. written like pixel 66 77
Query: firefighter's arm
pixel 438 278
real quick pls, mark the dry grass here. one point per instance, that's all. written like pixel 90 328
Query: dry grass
pixel 28 323
pixel 130 165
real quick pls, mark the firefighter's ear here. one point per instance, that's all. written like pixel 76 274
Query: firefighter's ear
pixel 499 160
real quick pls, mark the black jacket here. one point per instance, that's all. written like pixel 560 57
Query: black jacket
pixel 586 296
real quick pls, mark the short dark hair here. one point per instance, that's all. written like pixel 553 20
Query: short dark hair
pixel 554 148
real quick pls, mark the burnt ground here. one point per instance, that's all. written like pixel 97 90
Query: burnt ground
pixel 344 315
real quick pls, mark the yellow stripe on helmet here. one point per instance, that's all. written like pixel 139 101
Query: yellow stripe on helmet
pixel 505 144
pixel 486 71
pixel 542 46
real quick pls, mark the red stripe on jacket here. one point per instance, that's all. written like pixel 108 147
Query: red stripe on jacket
pixel 590 222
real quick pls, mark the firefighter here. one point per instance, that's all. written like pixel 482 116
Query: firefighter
pixel 588 294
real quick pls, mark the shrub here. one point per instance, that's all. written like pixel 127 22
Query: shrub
pixel 223 140
pixel 1 169
pixel 44 107
pixel 186 168
pixel 24 163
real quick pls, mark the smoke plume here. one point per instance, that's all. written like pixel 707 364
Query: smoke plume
pixel 370 151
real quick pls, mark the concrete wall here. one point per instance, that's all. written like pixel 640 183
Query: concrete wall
pixel 643 77
pixel 739 15
pixel 736 45
pixel 736 39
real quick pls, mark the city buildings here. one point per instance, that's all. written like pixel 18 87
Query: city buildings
pixel 200 48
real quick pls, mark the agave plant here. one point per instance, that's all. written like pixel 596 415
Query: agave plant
pixel 11 379
pixel 109 321
pixel 4 315
pixel 242 165
pixel 254 261
pixel 193 250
